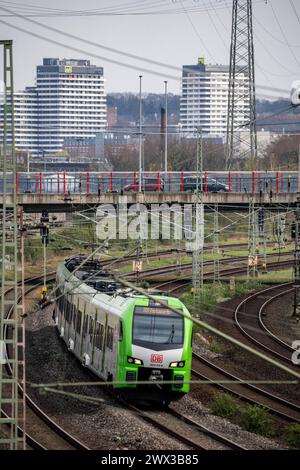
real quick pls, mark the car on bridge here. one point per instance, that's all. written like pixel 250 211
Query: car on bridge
pixel 211 185
pixel 148 184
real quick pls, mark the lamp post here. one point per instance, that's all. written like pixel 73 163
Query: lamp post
pixel 166 130
pixel 140 140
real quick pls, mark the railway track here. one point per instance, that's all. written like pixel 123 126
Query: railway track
pixel 249 393
pixel 206 370
pixel 188 266
pixel 41 426
pixel 192 433
pixel 248 317
pixel 176 285
pixel 67 441
pixel 262 314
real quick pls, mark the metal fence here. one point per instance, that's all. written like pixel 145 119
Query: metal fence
pixel 117 182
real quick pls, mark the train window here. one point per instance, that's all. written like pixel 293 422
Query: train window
pixel 85 325
pixel 67 310
pixel 71 312
pixel 99 336
pixel 74 316
pixel 78 322
pixel 120 330
pixel 110 338
pixel 91 329
pixel 63 305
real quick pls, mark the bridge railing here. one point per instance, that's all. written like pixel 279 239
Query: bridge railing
pixel 117 182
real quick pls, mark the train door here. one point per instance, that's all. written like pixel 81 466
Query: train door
pixel 63 313
pixel 99 329
pixel 74 317
pixel 84 328
pixel 111 346
pixel 90 333
pixel 68 316
pixel 58 309
pixel 78 325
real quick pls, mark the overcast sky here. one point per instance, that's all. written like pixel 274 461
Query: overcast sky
pixel 173 39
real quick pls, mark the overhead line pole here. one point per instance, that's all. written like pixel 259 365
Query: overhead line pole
pixel 12 329
pixel 296 307
pixel 166 129
pixel 140 139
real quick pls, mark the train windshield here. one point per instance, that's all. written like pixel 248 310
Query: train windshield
pixel 157 328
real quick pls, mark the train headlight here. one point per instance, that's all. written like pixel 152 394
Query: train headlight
pixel 134 360
pixel 177 364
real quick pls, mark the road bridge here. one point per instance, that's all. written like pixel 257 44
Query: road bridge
pixel 56 202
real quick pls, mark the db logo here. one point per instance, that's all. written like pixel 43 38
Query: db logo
pixel 157 358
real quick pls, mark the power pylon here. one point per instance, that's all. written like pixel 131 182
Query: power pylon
pixel 12 328
pixel 241 142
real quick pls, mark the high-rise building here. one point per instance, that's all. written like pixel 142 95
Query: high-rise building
pixel 204 99
pixel 68 101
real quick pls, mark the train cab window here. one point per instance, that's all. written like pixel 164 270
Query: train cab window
pixel 110 338
pixel 99 333
pixel 157 328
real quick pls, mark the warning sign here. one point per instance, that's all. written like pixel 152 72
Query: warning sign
pixel 137 266
pixel 252 261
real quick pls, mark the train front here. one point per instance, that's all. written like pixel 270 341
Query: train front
pixel 157 349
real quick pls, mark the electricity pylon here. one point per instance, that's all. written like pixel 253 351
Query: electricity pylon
pixel 241 142
pixel 12 328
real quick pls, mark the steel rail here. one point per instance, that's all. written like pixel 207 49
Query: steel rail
pixel 31 404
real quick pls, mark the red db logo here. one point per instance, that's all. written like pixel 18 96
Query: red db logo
pixel 157 358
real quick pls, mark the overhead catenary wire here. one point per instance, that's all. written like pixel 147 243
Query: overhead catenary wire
pixel 196 31
pixel 296 14
pixel 283 33
pixel 114 61
pixel 136 8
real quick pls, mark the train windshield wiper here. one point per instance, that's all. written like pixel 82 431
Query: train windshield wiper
pixel 171 336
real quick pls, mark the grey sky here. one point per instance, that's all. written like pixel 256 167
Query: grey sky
pixel 172 39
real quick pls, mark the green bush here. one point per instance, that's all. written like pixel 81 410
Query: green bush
pixel 293 435
pixel 216 347
pixel 258 420
pixel 224 404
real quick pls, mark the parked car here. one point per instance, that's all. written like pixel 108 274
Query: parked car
pixel 190 185
pixel 148 184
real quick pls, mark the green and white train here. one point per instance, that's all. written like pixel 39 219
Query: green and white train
pixel 121 336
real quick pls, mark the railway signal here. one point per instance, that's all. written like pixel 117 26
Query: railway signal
pixel 44 231
pixel 293 230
